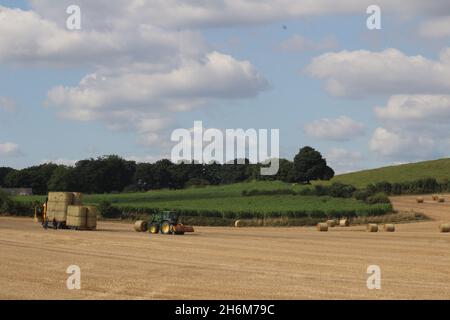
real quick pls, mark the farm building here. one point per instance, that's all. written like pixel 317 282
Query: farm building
pixel 18 191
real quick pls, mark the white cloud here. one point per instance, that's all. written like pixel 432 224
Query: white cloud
pixel 9 149
pixel 27 38
pixel 142 74
pixel 416 108
pixel 399 144
pixel 298 43
pixel 364 73
pixel 196 14
pixel 436 28
pixel 414 126
pixel 344 161
pixel 144 101
pixel 7 104
pixel 340 129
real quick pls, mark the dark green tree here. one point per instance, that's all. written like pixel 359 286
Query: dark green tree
pixel 310 165
pixel 3 173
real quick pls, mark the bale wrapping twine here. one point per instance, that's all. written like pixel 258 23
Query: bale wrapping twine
pixel 322 227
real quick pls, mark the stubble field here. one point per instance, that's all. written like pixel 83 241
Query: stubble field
pixel 228 263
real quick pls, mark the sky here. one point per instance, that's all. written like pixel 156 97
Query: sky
pixel 137 70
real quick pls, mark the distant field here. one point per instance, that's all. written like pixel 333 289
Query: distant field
pixel 228 199
pixel 223 191
pixel 438 169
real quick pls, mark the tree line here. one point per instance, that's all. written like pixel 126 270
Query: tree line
pixel 112 173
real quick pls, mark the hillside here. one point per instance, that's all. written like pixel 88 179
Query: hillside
pixel 438 169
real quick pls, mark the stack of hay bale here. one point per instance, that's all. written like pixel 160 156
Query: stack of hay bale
pixel 57 205
pixel 67 208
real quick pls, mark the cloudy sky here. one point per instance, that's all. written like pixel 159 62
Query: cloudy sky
pixel 138 69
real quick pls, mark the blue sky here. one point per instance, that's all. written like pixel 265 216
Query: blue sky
pixel 295 54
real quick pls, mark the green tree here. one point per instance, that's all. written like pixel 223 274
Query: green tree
pixel 62 179
pixel 310 165
pixel 35 177
pixel 104 174
pixel 3 173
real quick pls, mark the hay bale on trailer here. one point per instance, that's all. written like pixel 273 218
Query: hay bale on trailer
pixel 389 227
pixel 76 217
pixel 91 217
pixel 57 205
pixel 372 227
pixel 344 223
pixel 444 227
pixel 141 226
pixel 322 227
pixel 61 197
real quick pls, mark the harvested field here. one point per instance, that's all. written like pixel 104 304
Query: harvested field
pixel 223 263
pixel 439 211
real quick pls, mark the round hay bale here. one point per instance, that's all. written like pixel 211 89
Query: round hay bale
pixel 140 226
pixel 238 224
pixel 331 223
pixel 344 223
pixel 389 227
pixel 445 227
pixel 372 227
pixel 322 227
pixel 435 197
pixel 419 199
pixel 441 199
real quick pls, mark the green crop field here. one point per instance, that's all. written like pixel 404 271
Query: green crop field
pixel 438 169
pixel 228 201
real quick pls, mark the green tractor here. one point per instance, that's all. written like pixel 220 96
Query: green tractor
pixel 166 222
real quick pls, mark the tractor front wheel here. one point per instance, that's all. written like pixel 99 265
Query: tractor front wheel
pixel 166 228
pixel 154 228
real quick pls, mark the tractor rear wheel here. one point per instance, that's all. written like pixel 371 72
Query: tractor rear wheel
pixel 154 228
pixel 166 228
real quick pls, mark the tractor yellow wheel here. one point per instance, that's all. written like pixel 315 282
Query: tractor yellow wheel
pixel 166 228
pixel 154 229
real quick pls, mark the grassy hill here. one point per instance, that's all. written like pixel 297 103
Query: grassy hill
pixel 438 169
